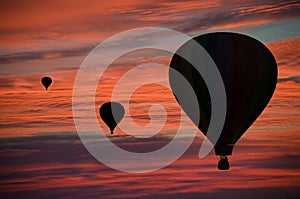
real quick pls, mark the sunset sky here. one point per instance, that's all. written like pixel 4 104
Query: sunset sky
pixel 40 152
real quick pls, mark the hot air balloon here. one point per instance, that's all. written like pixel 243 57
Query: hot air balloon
pixel 112 113
pixel 46 81
pixel 249 73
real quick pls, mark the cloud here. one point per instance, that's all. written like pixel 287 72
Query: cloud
pixel 295 79
pixel 99 20
pixel 86 23
pixel 45 54
pixel 243 15
pixel 7 82
pixel 52 165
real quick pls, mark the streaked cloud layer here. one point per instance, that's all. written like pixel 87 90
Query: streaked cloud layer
pixel 22 21
pixel 48 31
pixel 59 166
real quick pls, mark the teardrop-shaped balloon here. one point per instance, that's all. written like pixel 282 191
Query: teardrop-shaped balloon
pixel 46 81
pixel 249 72
pixel 112 113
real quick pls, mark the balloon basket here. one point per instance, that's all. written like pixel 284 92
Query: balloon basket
pixel 223 163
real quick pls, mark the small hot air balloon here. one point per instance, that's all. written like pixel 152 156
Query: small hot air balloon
pixel 112 113
pixel 249 73
pixel 46 81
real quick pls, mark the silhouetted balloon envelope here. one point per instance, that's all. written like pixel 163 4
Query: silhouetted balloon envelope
pixel 112 113
pixel 249 72
pixel 46 81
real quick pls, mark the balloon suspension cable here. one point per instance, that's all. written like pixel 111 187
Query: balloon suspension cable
pixel 223 163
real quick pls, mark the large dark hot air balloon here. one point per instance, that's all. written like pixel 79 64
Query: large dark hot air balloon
pixel 46 81
pixel 112 113
pixel 249 72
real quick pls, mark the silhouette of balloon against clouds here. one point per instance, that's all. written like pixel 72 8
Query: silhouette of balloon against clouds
pixel 249 72
pixel 46 81
pixel 112 113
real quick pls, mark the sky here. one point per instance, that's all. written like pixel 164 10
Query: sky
pixel 41 154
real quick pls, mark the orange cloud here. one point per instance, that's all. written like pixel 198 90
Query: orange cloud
pixel 28 22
